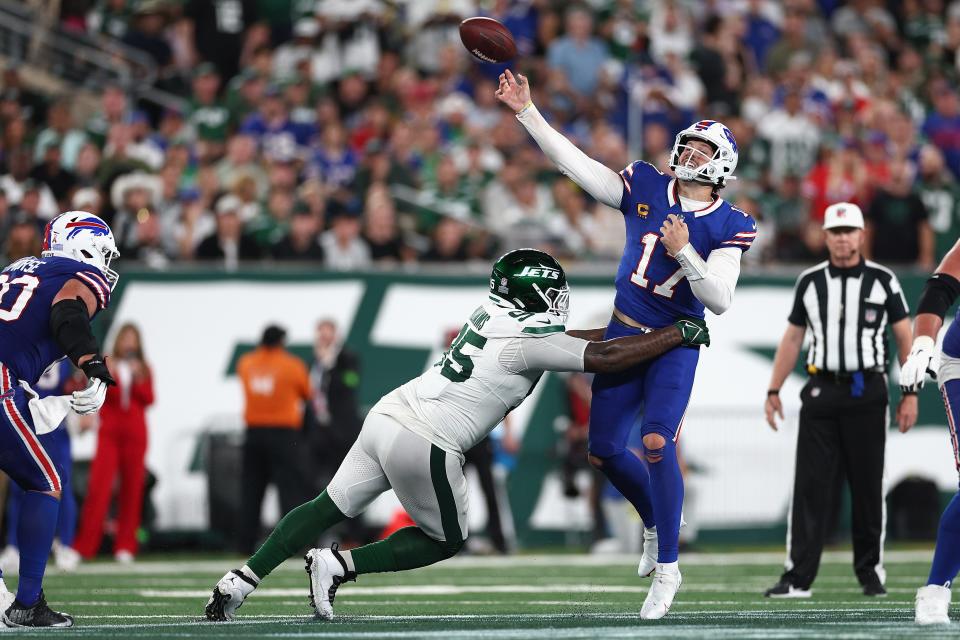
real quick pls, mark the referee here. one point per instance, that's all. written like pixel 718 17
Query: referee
pixel 846 303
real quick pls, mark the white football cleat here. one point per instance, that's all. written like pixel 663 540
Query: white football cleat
pixel 666 582
pixel 327 570
pixel 228 595
pixel 648 562
pixel 933 605
pixel 66 558
pixel 6 598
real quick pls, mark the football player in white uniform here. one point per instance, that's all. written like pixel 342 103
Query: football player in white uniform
pixel 413 439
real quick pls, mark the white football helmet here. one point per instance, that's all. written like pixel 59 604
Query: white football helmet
pixel 715 169
pixel 85 237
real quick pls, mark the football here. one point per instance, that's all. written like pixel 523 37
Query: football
pixel 488 40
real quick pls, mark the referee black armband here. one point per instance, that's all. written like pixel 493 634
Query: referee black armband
pixel 70 326
pixel 939 294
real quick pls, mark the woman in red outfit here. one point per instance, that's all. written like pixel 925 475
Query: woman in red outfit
pixel 121 447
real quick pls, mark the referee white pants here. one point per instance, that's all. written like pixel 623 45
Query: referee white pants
pixel 428 481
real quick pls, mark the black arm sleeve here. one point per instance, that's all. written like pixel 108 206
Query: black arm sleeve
pixel 70 326
pixel 939 294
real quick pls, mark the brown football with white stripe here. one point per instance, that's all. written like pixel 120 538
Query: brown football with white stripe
pixel 488 40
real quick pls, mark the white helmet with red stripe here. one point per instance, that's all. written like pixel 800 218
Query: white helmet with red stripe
pixel 85 237
pixel 698 166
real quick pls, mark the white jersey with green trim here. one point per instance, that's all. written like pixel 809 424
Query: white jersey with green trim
pixel 494 363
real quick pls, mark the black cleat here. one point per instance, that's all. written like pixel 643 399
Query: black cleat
pixel 874 589
pixel 39 615
pixel 784 589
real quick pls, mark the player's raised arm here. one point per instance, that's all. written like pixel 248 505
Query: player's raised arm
pixel 939 294
pixel 599 181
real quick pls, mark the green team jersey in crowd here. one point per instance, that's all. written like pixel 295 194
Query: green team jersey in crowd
pixel 210 121
pixel 942 200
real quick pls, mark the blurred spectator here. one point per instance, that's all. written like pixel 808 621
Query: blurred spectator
pixel 219 33
pixel 50 172
pixel 380 230
pixel 897 225
pixel 241 162
pixel 19 186
pixel 334 417
pixel 121 451
pixel 113 110
pixel 146 32
pixel 273 223
pixel 760 33
pixel 276 387
pixel 839 176
pixel 302 241
pixel 940 193
pixel 792 46
pixel 134 196
pixel 208 115
pixel 110 18
pixel 149 249
pixel 61 131
pixel 333 162
pixel 791 136
pixel 289 56
pixel 671 30
pixel 23 239
pixel 343 249
pixel 942 125
pixel 272 128
pixel 449 242
pixel 578 55
pixel 229 242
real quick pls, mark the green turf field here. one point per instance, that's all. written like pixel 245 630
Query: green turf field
pixel 549 596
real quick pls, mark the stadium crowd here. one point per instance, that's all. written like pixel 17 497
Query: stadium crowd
pixel 351 132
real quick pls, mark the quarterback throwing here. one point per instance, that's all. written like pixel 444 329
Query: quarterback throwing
pixel 682 255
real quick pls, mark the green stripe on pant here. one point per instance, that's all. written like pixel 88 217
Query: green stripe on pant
pixel 441 486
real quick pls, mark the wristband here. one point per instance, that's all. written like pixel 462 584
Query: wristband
pixel 525 107
pixel 694 267
pixel 908 393
pixel 773 392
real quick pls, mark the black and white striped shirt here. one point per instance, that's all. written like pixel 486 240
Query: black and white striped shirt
pixel 846 311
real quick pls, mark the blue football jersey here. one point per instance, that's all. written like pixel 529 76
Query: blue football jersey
pixel 651 287
pixel 54 379
pixel 951 340
pixel 27 290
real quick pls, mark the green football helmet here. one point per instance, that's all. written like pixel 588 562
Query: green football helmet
pixel 530 280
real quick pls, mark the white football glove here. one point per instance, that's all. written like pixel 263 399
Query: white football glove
pixel 89 400
pixel 914 371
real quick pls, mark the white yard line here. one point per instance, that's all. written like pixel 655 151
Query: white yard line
pixel 166 567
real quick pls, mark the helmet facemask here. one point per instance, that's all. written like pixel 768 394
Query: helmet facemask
pixel 698 166
pixel 557 300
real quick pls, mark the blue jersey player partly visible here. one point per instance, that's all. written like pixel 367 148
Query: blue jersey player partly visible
pixel 54 382
pixel 682 254
pixel 939 294
pixel 46 305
